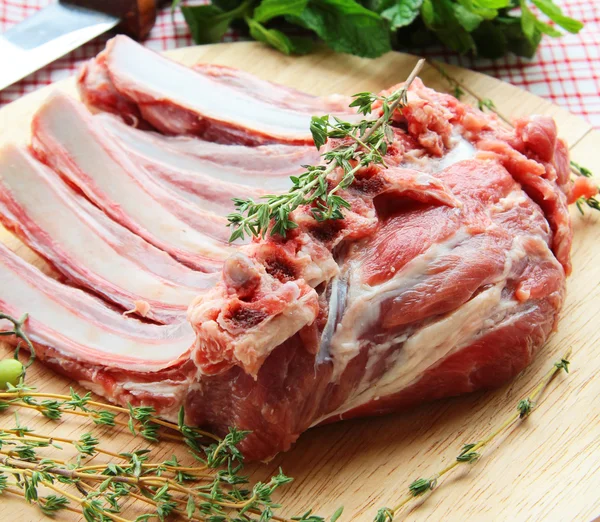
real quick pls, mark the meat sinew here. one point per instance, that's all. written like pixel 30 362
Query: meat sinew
pixel 446 276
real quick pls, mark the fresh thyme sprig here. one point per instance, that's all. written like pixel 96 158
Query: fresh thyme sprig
pixel 19 333
pixel 216 490
pixel 362 144
pixel 213 489
pixel 469 453
pixel 139 419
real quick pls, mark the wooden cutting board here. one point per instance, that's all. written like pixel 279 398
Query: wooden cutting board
pixel 547 469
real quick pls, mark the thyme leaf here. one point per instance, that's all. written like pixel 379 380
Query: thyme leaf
pixel 363 143
pixel 469 453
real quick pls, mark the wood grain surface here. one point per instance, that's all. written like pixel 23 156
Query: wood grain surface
pixel 546 469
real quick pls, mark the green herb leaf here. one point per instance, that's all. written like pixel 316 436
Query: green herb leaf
pixel 271 37
pixel 491 40
pixel 440 17
pixel 269 9
pixel 552 11
pixel 384 515
pixel 547 29
pixel 466 18
pixel 517 41
pixel 402 13
pixel 528 20
pixel 563 364
pixel 492 4
pixel 524 407
pixel 337 514
pixel 421 486
pixel 346 26
pixel 207 23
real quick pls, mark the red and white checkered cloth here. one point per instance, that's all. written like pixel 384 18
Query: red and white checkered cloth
pixel 565 70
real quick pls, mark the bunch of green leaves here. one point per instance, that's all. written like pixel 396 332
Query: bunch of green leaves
pixel 369 28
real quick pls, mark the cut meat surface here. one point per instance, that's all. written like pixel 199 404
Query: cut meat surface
pixel 65 138
pixel 89 248
pixel 446 275
pixel 143 86
pixel 275 94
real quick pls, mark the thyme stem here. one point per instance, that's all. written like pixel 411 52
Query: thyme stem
pixel 469 453
pixel 20 334
pixel 370 139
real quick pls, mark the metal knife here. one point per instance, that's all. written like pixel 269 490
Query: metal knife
pixel 59 28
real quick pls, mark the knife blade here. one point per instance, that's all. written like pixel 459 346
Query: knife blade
pixel 59 28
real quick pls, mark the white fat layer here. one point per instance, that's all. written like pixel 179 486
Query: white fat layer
pixel 81 327
pixel 332 318
pixel 49 206
pixel 365 300
pixel 167 388
pixel 110 171
pixel 160 150
pixel 162 79
pixel 462 150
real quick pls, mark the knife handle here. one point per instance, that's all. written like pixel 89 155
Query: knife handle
pixel 137 16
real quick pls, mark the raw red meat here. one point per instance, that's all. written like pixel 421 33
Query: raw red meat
pixel 446 276
pixel 65 137
pixel 211 102
pixel 89 248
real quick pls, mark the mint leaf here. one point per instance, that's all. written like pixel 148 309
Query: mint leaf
pixel 402 13
pixel 552 11
pixel 528 20
pixel 302 45
pixel 271 37
pixel 269 9
pixel 207 23
pixel 517 42
pixel 347 27
pixel 547 29
pixel 440 17
pixel 492 4
pixel 483 8
pixel 491 40
pixel 467 19
pixel 428 14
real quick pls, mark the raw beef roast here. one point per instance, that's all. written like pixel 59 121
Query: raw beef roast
pixel 446 276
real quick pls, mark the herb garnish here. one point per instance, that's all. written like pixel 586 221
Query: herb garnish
pixel 469 453
pixel 486 28
pixel 212 489
pixel 364 143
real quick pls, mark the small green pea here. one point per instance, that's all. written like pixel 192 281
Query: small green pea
pixel 10 372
